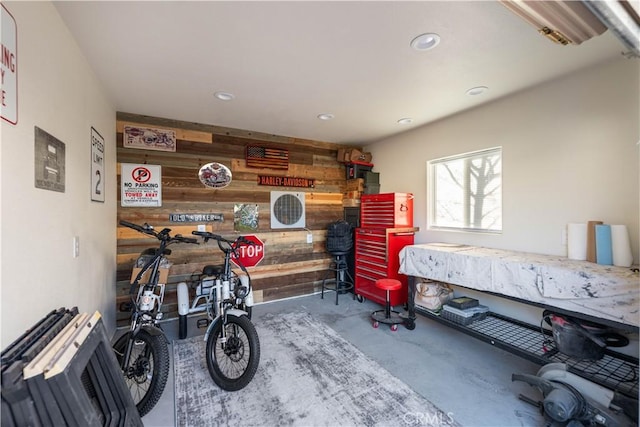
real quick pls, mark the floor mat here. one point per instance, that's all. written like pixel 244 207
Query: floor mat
pixel 308 376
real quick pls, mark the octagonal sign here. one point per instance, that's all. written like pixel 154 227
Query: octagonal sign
pixel 250 255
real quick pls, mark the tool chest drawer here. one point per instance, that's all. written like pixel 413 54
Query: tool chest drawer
pixel 386 210
pixel 377 257
pixel 371 244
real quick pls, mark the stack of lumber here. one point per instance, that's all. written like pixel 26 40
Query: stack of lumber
pixel 353 190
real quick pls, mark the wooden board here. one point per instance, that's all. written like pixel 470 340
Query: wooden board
pixel 291 266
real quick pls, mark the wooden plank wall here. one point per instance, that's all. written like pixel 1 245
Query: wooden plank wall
pixel 291 266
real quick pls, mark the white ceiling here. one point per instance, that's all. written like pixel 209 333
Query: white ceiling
pixel 286 62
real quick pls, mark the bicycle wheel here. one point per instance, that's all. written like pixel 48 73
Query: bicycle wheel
pixel 233 365
pixel 148 369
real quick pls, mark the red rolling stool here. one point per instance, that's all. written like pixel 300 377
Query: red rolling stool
pixel 387 315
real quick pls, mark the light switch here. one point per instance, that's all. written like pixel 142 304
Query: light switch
pixel 76 246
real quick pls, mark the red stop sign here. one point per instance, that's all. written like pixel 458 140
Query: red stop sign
pixel 250 255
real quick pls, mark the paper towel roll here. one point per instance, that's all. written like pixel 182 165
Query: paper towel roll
pixel 577 241
pixel 604 253
pixel 591 240
pixel 621 246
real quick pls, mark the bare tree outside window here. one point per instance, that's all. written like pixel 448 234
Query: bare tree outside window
pixel 466 191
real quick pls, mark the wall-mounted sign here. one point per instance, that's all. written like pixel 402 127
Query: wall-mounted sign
pixel 285 181
pixel 249 255
pixel 215 175
pixel 149 138
pixel 264 157
pixel 9 68
pixel 49 160
pixel 141 185
pixel 97 166
pixel 198 217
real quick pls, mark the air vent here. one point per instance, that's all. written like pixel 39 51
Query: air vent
pixel 287 209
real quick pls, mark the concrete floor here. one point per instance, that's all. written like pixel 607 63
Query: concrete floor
pixel 461 375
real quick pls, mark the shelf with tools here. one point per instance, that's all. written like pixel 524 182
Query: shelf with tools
pixel 615 371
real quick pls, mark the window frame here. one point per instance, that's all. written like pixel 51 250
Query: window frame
pixel 431 191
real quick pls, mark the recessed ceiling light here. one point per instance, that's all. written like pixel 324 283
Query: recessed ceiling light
pixel 325 116
pixel 224 96
pixel 405 121
pixel 425 41
pixel 478 90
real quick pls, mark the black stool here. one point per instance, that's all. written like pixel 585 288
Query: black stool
pixel 341 280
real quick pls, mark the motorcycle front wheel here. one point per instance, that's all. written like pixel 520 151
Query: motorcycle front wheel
pixel 148 368
pixel 233 364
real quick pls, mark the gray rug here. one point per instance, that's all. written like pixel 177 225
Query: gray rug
pixel 308 376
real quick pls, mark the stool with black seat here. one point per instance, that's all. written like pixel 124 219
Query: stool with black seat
pixel 339 244
pixel 387 315
pixel 340 280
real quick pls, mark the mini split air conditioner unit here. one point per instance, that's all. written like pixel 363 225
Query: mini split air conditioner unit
pixel 287 209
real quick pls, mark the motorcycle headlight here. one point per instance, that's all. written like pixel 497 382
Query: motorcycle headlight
pixel 241 292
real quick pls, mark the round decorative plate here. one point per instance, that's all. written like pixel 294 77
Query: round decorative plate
pixel 215 175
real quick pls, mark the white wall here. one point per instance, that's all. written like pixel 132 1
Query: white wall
pixel 569 155
pixel 59 93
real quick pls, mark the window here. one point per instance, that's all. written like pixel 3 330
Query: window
pixel 466 191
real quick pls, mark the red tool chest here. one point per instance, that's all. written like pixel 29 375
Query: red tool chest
pixel 387 210
pixel 386 226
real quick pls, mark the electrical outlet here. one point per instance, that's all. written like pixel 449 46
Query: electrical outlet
pixel 76 246
pixel 309 238
pixel 202 227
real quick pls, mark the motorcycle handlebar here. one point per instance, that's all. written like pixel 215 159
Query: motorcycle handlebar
pixel 245 240
pixel 146 229
pixel 207 235
pixel 162 235
pixel 181 238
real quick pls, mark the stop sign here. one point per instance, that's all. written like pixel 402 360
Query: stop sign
pixel 250 255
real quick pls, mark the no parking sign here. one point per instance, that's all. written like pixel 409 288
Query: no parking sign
pixel 141 185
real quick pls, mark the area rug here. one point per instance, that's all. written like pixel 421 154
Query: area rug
pixel 308 376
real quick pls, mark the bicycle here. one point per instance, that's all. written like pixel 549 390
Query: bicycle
pixel 232 343
pixel 142 351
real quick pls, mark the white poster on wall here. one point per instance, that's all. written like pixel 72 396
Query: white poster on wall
pixel 141 185
pixel 9 67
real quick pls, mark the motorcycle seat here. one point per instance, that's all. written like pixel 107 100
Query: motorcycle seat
pixel 212 270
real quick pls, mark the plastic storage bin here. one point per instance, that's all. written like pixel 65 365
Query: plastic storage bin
pixel 464 317
pixel 463 303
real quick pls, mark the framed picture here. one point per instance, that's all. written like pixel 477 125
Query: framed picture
pixel 97 166
pixel 245 217
pixel 149 138
pixel 49 161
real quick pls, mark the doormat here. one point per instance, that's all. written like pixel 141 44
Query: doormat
pixel 308 376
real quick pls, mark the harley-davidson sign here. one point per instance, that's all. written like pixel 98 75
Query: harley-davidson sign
pixel 285 181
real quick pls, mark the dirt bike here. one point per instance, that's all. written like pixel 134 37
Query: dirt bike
pixel 232 344
pixel 142 351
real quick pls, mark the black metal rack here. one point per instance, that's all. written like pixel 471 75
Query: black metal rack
pixel 85 388
pixel 614 371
